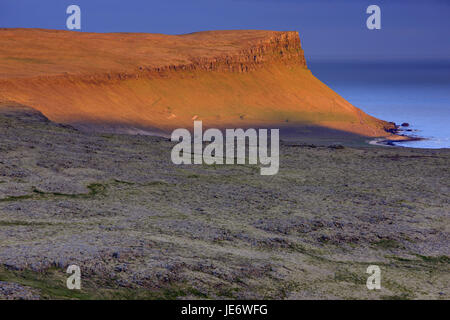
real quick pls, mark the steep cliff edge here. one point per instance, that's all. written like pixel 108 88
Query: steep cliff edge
pixel 153 82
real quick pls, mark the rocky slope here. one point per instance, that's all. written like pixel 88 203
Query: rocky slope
pixel 153 83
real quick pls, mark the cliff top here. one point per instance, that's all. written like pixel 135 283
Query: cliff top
pixel 36 52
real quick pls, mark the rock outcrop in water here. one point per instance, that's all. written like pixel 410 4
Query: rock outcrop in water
pixel 153 83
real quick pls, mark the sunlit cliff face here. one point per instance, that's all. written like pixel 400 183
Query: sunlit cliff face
pixel 155 83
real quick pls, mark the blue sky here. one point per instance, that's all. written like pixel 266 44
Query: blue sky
pixel 329 29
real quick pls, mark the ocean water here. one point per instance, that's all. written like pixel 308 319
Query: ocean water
pixel 415 92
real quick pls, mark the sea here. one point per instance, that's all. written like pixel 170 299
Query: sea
pixel 413 92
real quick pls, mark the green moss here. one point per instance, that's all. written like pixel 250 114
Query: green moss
pixel 124 182
pixel 227 292
pixel 438 259
pixel 95 189
pixel 386 244
pixel 345 275
pixel 16 198
pixel 156 183
pixel 399 258
pixel 51 284
pixel 402 291
pixel 107 136
pixel 24 223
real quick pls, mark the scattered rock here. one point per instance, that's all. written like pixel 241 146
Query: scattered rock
pixel 14 291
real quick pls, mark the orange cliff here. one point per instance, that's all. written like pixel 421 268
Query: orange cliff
pixel 131 82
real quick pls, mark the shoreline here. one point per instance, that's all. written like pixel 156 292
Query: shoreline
pixel 399 135
pixel 385 142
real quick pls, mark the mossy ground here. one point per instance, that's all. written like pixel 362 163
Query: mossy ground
pixel 140 227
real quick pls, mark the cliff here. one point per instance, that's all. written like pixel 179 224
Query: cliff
pixel 154 83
